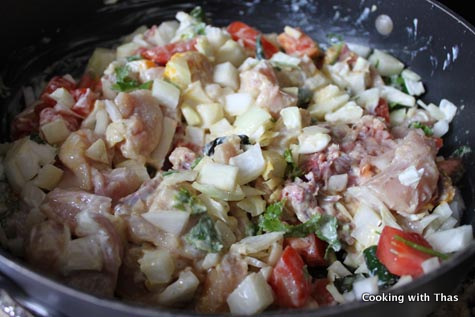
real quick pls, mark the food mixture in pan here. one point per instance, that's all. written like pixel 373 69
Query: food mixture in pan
pixel 227 170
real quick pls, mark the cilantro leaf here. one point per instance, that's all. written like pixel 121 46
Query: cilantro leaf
pixel 169 172
pixel 270 220
pixel 198 14
pixel 204 236
pixel 186 201
pixel 376 268
pixel 259 48
pixel 335 38
pixel 418 125
pixel 461 151
pixel 125 84
pixel 293 170
pixel 133 58
pixel 324 226
pixel 397 82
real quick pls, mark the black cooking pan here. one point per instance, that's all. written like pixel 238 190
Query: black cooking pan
pixel 42 38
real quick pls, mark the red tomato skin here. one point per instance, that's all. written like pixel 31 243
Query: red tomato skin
pixel 55 83
pixel 311 249
pixel 320 292
pixel 382 110
pixel 399 258
pixel 248 35
pixel 85 99
pixel 162 54
pixel 289 280
pixel 304 45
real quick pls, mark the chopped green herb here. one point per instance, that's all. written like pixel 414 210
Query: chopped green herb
pixel 198 14
pixel 200 28
pixel 418 125
pixel 251 229
pixel 133 58
pixel 259 48
pixel 125 84
pixel 169 172
pixel 203 236
pixel 334 38
pixel 376 268
pixel 397 82
pixel 270 220
pixel 293 170
pixel 196 162
pixel 376 65
pixel 345 284
pixel 324 226
pixel 395 106
pixel 186 201
pixel 461 151
pixel 421 248
pixel 304 97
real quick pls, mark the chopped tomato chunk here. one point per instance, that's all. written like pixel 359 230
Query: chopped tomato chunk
pixel 310 248
pixel 382 110
pixel 162 54
pixel 304 45
pixel 320 292
pixel 248 36
pixel 290 281
pixel 398 257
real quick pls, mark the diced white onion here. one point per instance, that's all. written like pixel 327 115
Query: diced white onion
pixel 392 94
pixel 254 244
pixel 410 176
pixel 157 265
pixel 251 164
pixel 167 94
pixel 337 270
pixel 181 290
pixel 337 183
pixel 251 296
pixel 385 64
pixel 440 128
pixel 430 264
pixel 171 221
pixel 226 75
pixel 282 58
pixel 313 143
pixel 448 108
pixel 368 285
pixel 451 240
pixel 237 104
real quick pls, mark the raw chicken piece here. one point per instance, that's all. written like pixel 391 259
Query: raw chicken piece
pixel 141 124
pixel 301 197
pixel 73 155
pixel 182 158
pixel 47 244
pixel 220 282
pixel 116 183
pixel 262 83
pixel 64 205
pixel 416 151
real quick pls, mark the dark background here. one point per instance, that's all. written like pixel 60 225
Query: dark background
pixel 462 8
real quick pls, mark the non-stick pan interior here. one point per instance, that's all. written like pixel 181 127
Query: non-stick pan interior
pixel 434 43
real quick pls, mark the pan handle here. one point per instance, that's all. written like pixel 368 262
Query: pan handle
pixel 15 302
